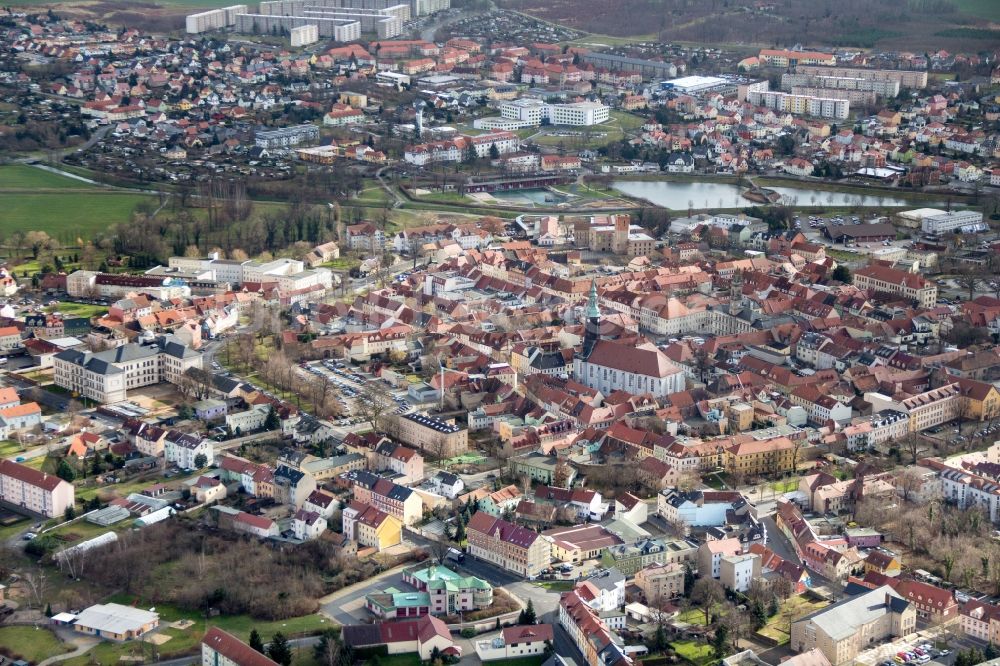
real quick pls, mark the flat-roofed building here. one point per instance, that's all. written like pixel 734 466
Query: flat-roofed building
pixel 442 439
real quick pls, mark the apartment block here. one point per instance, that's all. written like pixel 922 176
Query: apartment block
pixel 38 492
pixel 855 97
pixel 802 105
pixel 224 17
pixel 510 547
pixel 880 87
pixel 304 35
pixel 906 78
pixel 442 439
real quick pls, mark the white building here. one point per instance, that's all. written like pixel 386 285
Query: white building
pixel 308 525
pixel 805 105
pixel 535 111
pixel 213 19
pixel 737 571
pixel 304 35
pixel 935 221
pixel 182 449
pixel 107 376
pixel 612 366
pixel 44 494
pixel 219 648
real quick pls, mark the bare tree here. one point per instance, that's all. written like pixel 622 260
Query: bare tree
pixel 909 482
pixel 37 582
pixel 707 593
pixel 373 405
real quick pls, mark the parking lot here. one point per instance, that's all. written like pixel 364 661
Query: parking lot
pixel 350 384
pixel 918 650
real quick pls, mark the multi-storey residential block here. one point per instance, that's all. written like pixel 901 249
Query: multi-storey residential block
pixel 629 558
pixel 915 79
pixel 44 494
pixel 516 549
pixel 441 439
pixel 806 105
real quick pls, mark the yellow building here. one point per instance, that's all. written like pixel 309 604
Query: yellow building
pixel 372 528
pixel 980 401
pixel 756 458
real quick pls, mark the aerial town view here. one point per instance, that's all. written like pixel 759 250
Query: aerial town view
pixel 505 332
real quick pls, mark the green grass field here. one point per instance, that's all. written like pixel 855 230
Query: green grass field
pixel 83 213
pixel 22 176
pixel 78 309
pixel 696 654
pixel 32 644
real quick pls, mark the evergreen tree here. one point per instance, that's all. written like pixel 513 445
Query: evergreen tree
pixel 200 460
pixel 255 641
pixel 719 642
pixel 272 422
pixel 688 579
pixel 70 512
pixel 774 607
pixel 279 650
pixel 758 615
pixel 65 472
pixel 527 615
pixel 48 612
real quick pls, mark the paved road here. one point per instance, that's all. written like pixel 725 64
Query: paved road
pixel 778 542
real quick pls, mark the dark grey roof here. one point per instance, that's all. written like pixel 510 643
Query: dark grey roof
pixel 287 476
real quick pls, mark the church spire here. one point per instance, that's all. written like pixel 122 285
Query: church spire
pixel 593 312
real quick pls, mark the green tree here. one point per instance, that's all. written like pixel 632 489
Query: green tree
pixel 272 422
pixel 494 151
pixel 48 612
pixel 65 472
pixel 689 579
pixel 841 274
pixel 70 512
pixel 200 460
pixel 256 642
pixel 720 641
pixel 758 615
pixel 527 615
pixel 774 607
pixel 279 650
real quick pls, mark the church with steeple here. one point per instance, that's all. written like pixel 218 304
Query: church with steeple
pixel 592 327
pixel 611 365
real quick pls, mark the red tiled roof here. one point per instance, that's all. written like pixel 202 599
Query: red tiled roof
pixel 234 649
pixel 30 476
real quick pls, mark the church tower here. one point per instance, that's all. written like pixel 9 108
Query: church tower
pixel 736 294
pixel 592 328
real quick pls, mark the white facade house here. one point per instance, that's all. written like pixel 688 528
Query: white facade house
pixel 737 571
pixel 308 525
pixel 182 449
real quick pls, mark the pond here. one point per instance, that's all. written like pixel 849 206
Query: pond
pixel 536 197
pixel 683 195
